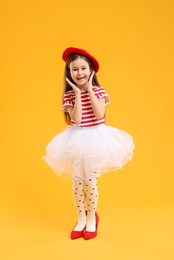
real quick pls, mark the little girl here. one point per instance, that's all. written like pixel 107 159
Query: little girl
pixel 87 148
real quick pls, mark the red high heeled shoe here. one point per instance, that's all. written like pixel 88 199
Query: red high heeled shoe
pixel 77 234
pixel 88 234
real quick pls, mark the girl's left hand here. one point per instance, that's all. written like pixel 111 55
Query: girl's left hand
pixel 89 85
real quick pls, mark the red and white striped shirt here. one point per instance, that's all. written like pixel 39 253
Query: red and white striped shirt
pixel 88 117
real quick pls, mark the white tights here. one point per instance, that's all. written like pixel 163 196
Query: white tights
pixel 85 193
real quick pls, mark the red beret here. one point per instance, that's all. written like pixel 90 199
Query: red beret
pixel 71 50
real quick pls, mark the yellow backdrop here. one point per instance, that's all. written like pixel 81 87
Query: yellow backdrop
pixel 133 40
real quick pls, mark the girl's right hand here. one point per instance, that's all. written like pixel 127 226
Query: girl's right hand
pixel 74 87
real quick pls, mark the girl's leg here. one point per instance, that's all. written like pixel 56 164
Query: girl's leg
pixel 79 199
pixel 92 201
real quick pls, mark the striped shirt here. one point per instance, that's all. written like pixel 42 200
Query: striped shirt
pixel 88 117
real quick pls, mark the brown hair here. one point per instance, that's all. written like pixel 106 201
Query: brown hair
pixel 67 74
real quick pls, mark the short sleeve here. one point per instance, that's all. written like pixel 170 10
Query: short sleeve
pixel 100 92
pixel 67 100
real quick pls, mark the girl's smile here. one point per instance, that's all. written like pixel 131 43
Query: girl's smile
pixel 80 72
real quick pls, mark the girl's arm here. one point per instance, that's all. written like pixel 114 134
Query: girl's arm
pixel 75 112
pixel 98 106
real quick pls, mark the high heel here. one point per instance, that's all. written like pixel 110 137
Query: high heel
pixel 88 234
pixel 77 234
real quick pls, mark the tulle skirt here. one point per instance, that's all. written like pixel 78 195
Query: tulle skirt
pixel 88 151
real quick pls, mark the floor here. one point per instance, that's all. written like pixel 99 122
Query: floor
pixel 137 233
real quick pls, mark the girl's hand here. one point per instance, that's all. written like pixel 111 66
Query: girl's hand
pixel 89 85
pixel 76 89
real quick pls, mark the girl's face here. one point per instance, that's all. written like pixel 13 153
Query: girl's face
pixel 80 72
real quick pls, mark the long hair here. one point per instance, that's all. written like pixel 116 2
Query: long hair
pixel 67 74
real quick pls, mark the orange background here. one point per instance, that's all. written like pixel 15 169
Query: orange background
pixel 133 41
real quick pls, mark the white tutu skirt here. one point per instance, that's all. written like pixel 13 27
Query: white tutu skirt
pixel 88 151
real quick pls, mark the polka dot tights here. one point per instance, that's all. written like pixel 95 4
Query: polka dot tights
pixel 85 193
